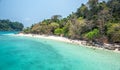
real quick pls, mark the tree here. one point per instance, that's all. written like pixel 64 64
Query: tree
pixel 47 21
pixel 114 6
pixel 27 30
pixel 53 26
pixel 56 18
pixel 92 3
pixel 82 11
pixel 93 8
pixel 103 17
pixel 63 22
pixel 77 28
pixel 114 32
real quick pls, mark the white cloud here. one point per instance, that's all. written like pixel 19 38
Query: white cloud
pixel 27 19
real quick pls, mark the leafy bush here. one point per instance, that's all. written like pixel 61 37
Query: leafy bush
pixel 58 31
pixel 92 34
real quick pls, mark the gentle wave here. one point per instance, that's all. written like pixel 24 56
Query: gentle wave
pixel 8 34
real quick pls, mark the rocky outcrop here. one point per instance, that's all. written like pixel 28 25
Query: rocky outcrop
pixel 112 46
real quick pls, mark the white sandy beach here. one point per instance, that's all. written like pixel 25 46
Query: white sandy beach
pixel 58 38
pixel 63 39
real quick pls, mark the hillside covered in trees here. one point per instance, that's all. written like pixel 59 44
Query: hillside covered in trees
pixel 95 21
pixel 7 25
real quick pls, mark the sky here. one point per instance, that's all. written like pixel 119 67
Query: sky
pixel 29 12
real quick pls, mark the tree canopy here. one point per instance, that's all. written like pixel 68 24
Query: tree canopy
pixel 7 25
pixel 92 21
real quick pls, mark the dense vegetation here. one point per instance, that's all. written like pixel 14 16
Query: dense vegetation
pixel 95 21
pixel 7 25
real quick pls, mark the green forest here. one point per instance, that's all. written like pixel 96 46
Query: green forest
pixel 94 21
pixel 7 25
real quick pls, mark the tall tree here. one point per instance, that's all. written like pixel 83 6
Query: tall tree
pixel 82 11
pixel 114 6
pixel 56 18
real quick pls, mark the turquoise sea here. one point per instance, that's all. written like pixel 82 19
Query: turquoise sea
pixel 26 53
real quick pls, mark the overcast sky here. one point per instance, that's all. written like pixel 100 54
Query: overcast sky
pixel 32 11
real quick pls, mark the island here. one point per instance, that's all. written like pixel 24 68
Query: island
pixel 96 22
pixel 7 25
pixel 55 38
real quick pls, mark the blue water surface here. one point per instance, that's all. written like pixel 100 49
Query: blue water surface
pixel 27 53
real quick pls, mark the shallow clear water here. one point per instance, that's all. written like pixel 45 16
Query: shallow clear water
pixel 26 53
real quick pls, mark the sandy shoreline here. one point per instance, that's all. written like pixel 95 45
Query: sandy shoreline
pixel 63 39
